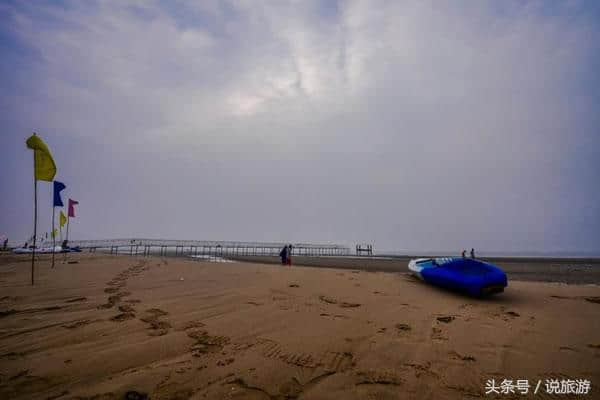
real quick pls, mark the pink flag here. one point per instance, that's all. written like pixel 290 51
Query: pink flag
pixel 72 204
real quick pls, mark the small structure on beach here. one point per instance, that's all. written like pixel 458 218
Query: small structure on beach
pixel 364 249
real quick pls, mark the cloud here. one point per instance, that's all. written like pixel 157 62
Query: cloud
pixel 415 125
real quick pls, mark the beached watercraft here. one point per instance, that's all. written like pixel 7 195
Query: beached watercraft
pixel 41 250
pixel 462 274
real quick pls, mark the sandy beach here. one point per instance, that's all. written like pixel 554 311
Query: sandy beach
pixel 176 328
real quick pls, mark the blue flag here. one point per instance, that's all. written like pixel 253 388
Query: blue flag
pixel 58 186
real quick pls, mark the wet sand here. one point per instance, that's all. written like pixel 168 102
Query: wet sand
pixel 565 270
pixel 177 328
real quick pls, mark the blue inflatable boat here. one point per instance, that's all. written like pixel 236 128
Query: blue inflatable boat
pixel 466 275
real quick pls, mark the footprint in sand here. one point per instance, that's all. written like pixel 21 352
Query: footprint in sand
pixel 125 308
pixel 349 305
pixel 12 311
pixel 378 377
pixel 273 350
pixel 436 331
pixel 77 299
pixel 222 363
pixel 567 348
pixel 422 369
pixel 157 312
pixel 341 316
pixel 333 361
pixel 328 362
pixel 156 326
pixel 456 356
pixel 112 300
pixel 237 347
pixel 192 325
pixel 77 324
pixel 554 296
pixel 133 395
pixel 344 304
pixel 8 298
pixel 327 300
pixel 505 315
pixel 206 343
pixel 437 334
pixel 12 355
pixel 123 317
pixel 593 299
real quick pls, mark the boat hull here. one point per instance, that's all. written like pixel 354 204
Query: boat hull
pixel 465 275
pixel 41 250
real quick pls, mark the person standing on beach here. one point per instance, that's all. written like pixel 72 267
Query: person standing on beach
pixel 289 255
pixel 472 252
pixel 283 255
pixel 464 254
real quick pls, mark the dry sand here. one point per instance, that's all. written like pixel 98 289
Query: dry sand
pixel 176 328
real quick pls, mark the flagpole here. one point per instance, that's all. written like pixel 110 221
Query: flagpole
pixel 67 238
pixel 53 233
pixel 34 219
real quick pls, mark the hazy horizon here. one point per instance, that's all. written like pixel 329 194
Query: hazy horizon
pixel 409 125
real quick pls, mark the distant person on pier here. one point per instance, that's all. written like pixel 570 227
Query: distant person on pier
pixel 284 256
pixel 464 254
pixel 289 255
pixel 472 253
pixel 65 244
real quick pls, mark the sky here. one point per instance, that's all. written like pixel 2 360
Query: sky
pixel 421 126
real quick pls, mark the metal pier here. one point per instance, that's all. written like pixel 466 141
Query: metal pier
pixel 147 247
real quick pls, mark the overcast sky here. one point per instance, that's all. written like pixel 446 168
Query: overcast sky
pixel 426 125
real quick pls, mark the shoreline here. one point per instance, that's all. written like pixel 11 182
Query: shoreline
pixel 561 270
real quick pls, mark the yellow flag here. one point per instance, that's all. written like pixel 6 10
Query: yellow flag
pixel 44 166
pixel 63 219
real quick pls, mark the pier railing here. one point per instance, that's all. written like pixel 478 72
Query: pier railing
pixel 162 247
